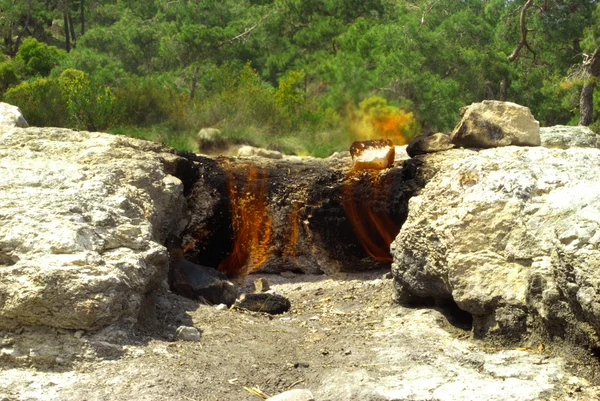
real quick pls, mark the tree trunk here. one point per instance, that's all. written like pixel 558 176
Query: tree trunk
pixel 586 98
pixel 67 37
pixel 194 83
pixel 82 6
pixel 503 87
pixel 71 27
pixel 586 103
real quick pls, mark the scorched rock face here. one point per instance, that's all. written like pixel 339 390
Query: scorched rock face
pixel 313 216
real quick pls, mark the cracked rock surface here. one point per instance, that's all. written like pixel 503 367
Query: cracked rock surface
pixel 512 235
pixel 83 217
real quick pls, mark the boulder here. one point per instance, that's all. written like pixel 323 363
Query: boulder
pixel 377 154
pixel 84 216
pixel 210 140
pixel 11 116
pixel 512 236
pixel 429 143
pixel 494 123
pixel 208 134
pixel 251 151
pixel 273 304
pixel 194 281
pixel 564 137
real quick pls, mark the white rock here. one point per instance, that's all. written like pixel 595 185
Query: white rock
pixel 564 137
pixel 250 151
pixel 493 123
pixel 293 395
pixel 84 216
pixel 187 333
pixel 208 134
pixel 11 117
pixel 512 235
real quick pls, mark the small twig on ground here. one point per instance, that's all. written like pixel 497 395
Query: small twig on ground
pixel 294 383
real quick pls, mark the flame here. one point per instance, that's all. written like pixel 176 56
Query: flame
pixel 374 118
pixel 250 220
pixel 373 227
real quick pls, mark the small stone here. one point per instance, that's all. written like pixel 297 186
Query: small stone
pixel 429 143
pixel 221 307
pixel 273 304
pixel 301 365
pixel 261 285
pixel 187 333
pixel 388 276
pixel 293 395
pixel 315 318
pixel 374 155
pixel 79 334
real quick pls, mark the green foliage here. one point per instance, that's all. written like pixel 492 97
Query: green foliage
pixel 41 101
pixel 38 57
pixel 89 106
pixel 8 75
pixel 298 73
pixel 289 96
pixel 144 102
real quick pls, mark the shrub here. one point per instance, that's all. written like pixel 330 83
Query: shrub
pixel 38 57
pixel 89 105
pixel 8 75
pixel 144 102
pixel 40 100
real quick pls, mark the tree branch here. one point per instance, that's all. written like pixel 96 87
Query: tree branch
pixel 246 32
pixel 524 30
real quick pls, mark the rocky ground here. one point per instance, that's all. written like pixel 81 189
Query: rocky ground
pixel 343 339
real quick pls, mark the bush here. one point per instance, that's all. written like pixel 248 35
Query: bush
pixel 8 75
pixel 40 100
pixel 143 103
pixel 71 100
pixel 38 57
pixel 89 105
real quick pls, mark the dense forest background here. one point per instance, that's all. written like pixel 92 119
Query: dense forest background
pixel 307 76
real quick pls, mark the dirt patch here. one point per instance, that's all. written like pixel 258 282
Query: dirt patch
pixel 343 339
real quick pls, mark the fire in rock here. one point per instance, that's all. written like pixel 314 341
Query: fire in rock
pixel 365 197
pixel 250 221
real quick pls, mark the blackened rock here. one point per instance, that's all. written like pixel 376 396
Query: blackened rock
pixel 194 281
pixel 429 143
pixel 273 304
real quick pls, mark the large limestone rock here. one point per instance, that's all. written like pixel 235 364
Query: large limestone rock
pixel 493 123
pixel 564 137
pixel 10 116
pixel 512 235
pixel 83 217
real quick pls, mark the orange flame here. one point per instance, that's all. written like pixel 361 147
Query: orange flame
pixel 250 220
pixel 374 228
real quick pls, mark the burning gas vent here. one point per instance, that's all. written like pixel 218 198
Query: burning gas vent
pixel 312 216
